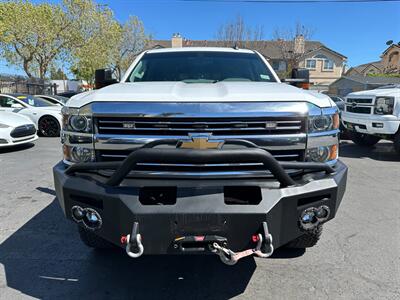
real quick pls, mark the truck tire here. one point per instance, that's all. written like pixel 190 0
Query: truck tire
pixel 365 140
pixel 307 240
pixel 92 240
pixel 397 142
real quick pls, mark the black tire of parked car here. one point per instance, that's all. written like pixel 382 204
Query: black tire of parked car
pixel 92 240
pixel 362 139
pixel 397 142
pixel 307 240
pixel 49 126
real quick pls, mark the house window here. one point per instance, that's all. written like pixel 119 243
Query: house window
pixel 311 64
pixel 327 63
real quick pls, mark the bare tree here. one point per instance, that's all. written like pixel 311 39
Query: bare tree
pixel 237 33
pixel 134 40
pixel 291 44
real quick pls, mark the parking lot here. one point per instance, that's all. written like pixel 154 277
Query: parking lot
pixel 41 255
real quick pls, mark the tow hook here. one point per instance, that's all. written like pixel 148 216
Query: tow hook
pixel 134 247
pixel 264 248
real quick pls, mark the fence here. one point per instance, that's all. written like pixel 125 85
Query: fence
pixel 20 84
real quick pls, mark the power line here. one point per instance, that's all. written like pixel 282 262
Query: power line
pixel 291 1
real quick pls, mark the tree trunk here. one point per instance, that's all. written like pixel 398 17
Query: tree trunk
pixel 26 68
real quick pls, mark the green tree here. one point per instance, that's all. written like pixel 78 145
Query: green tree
pixel 82 33
pixel 35 36
pixel 57 74
pixel 101 35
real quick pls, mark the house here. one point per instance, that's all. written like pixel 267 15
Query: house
pixel 354 83
pixel 325 64
pixel 391 59
pixel 389 64
pixel 375 67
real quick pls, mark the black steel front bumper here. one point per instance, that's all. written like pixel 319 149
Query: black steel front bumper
pixel 199 207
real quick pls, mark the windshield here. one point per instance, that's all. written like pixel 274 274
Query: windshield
pixel 201 67
pixel 34 101
pixel 53 98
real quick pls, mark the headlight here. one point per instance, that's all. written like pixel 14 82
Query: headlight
pixel 76 120
pixel 323 153
pixel 323 123
pixel 3 125
pixel 79 123
pixel 384 105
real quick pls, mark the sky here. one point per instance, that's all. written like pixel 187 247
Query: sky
pixel 357 30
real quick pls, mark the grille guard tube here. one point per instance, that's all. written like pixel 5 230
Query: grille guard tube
pixel 148 154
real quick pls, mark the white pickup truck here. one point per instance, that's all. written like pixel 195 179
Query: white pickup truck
pixel 200 150
pixel 374 115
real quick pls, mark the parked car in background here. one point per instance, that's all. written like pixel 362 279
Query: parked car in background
pixel 16 129
pixel 55 99
pixel 373 115
pixel 339 101
pixel 45 115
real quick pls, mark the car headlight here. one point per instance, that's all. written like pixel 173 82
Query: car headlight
pixel 75 120
pixel 323 122
pixel 323 153
pixel 79 123
pixel 77 154
pixel 384 105
pixel 3 125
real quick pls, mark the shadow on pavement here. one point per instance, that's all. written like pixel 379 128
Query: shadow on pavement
pixel 16 148
pixel 45 259
pixel 383 151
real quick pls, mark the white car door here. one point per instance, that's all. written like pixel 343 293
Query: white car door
pixel 10 105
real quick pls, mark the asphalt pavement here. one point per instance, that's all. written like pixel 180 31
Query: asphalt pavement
pixel 41 256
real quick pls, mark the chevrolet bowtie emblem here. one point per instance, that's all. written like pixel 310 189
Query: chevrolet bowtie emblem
pixel 200 142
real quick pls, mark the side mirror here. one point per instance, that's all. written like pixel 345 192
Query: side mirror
pixel 300 78
pixel 103 77
pixel 17 105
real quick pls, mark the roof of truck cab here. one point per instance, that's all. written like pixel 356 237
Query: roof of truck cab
pixel 201 49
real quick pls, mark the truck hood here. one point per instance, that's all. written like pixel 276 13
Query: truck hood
pixel 13 120
pixel 200 92
pixel 377 92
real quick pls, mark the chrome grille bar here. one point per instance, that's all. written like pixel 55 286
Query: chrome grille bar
pixel 143 126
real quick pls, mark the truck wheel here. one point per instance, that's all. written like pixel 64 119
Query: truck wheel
pixel 92 240
pixel 397 142
pixel 307 240
pixel 362 139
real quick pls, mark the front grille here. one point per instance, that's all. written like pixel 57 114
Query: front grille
pixel 280 155
pixel 22 131
pixel 184 126
pixel 358 109
pixel 360 100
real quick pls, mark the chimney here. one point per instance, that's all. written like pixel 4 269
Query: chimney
pixel 176 41
pixel 299 44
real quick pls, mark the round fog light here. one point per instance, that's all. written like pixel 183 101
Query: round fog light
pixel 77 213
pixel 322 212
pixel 92 219
pixel 307 217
